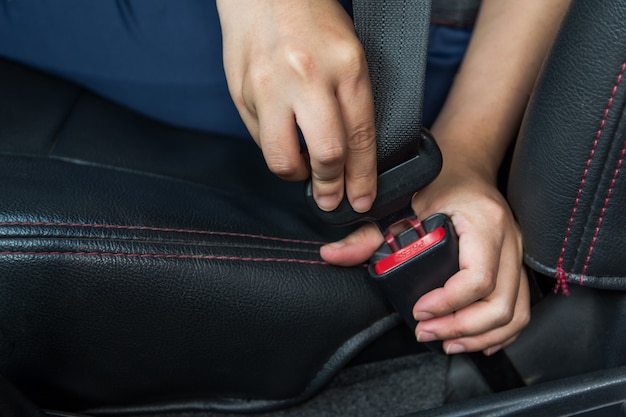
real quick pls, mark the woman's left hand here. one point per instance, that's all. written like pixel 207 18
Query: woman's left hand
pixel 485 305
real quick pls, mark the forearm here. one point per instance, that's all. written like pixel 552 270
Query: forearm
pixel 487 101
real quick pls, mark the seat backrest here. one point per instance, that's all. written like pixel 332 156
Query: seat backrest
pixel 567 186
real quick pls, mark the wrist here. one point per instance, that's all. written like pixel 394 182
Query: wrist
pixel 468 154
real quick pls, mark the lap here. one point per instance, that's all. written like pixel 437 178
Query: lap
pixel 162 58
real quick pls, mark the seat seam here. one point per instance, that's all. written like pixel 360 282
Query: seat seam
pixel 103 226
pixel 561 275
pixel 166 256
pixel 603 211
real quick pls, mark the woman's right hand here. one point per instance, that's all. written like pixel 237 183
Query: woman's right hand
pixel 298 65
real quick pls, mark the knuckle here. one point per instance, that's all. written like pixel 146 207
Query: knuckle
pixel 331 154
pixel 351 58
pixel 298 59
pixel 257 83
pixel 484 283
pixel 362 137
pixel 259 79
pixel 346 56
pixel 282 167
pixel 502 315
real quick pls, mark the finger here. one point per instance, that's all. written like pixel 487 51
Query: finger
pixel 479 318
pixel 244 102
pixel 486 322
pixel 251 123
pixel 278 139
pixel 357 107
pixel 354 249
pixel 319 118
pixel 500 337
pixel 479 259
pixel 493 311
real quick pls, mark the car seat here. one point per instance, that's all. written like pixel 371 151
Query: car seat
pixel 149 270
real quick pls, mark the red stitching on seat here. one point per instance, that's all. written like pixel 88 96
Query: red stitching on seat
pixel 603 212
pixel 159 229
pixel 166 256
pixel 560 274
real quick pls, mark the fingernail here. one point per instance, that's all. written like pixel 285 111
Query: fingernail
pixel 328 202
pixel 425 337
pixel 423 315
pixel 362 204
pixel 453 349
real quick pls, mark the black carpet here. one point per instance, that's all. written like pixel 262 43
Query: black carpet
pixel 393 387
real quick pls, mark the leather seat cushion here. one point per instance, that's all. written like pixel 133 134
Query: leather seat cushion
pixel 141 264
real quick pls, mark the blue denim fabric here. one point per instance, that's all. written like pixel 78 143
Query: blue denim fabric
pixel 162 58
pixel 446 49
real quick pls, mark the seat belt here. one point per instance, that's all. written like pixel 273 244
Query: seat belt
pixel 420 258
pixel 394 35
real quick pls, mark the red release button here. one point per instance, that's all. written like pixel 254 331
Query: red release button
pixel 409 251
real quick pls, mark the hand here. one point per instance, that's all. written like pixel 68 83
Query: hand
pixel 293 65
pixel 487 303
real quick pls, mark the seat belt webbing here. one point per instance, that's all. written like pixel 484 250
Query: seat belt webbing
pixel 394 35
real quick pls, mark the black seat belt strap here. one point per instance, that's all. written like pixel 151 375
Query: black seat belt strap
pixel 394 35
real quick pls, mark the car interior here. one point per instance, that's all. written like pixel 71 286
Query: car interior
pixel 143 273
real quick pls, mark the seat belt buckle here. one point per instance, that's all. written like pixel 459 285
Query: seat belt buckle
pixel 417 256
pixel 415 261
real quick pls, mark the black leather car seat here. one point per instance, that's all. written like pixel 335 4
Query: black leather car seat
pixel 142 270
pixel 568 190
pixel 567 171
pixel 139 261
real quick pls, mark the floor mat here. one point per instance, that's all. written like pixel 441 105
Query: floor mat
pixel 392 387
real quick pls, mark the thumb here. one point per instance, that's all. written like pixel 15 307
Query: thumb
pixel 355 248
